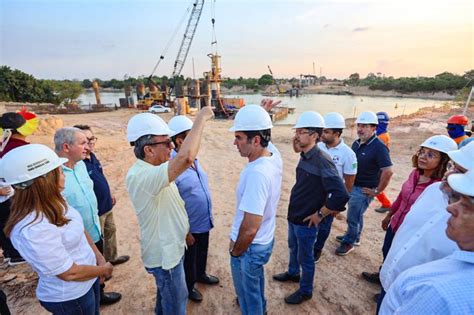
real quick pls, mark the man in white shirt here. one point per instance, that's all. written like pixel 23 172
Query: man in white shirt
pixel 444 286
pixel 258 193
pixel 421 238
pixel 160 210
pixel 346 164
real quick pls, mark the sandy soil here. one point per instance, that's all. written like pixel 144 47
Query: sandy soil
pixel 339 288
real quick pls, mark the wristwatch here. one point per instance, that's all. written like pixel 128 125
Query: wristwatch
pixel 320 214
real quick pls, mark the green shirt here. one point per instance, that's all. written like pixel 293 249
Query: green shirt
pixel 161 214
pixel 79 193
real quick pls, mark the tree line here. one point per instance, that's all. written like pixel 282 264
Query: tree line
pixel 18 86
pixel 443 82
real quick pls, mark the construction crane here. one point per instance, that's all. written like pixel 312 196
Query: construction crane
pixel 156 96
pixel 188 37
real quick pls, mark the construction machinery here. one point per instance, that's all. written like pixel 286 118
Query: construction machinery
pixel 160 96
pixel 280 90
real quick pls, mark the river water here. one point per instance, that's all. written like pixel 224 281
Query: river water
pixel 348 106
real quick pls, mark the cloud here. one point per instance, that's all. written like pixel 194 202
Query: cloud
pixel 360 29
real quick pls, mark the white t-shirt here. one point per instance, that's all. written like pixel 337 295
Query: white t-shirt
pixel 421 238
pixel 343 157
pixel 51 250
pixel 258 192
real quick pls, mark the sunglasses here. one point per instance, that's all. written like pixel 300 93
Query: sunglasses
pixel 168 143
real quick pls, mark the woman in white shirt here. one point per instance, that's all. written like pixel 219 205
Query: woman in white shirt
pixel 49 234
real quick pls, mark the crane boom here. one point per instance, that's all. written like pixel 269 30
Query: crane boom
pixel 188 37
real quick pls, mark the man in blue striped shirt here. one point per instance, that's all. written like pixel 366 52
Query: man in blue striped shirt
pixel 444 286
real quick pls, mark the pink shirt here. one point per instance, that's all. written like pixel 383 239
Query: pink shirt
pixel 410 191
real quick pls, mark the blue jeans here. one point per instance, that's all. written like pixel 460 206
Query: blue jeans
pixel 358 204
pixel 249 278
pixel 171 293
pixel 301 239
pixel 86 304
pixel 324 229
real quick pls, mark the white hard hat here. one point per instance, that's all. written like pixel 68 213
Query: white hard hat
pixel 440 143
pixel 368 118
pixel 462 183
pixel 179 124
pixel 310 119
pixel 251 117
pixel 146 124
pixel 464 156
pixel 28 162
pixel 334 121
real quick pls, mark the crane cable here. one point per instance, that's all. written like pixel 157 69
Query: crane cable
pixel 213 20
pixel 165 50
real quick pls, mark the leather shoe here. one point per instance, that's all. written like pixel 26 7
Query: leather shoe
pixel 208 279
pixel 195 295
pixel 120 260
pixel 285 276
pixel 110 298
pixel 372 277
pixel 297 298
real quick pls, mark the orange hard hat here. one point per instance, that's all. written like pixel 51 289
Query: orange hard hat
pixel 458 120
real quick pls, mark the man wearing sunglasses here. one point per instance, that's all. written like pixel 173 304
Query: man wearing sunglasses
pixel 160 210
pixel 443 286
pixel 421 238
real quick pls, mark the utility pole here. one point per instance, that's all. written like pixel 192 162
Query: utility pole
pixel 314 69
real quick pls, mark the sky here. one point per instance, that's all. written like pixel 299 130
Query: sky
pixel 79 39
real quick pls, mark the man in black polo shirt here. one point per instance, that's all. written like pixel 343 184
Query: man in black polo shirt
pixel 373 175
pixel 317 193
pixel 105 200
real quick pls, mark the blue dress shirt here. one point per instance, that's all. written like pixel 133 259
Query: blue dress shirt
pixel 193 188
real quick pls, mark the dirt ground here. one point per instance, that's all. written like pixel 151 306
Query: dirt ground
pixel 339 288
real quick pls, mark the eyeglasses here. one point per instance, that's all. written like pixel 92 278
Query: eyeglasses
pixel 92 140
pixel 168 143
pixel 429 154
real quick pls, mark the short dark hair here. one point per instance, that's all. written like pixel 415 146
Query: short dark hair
pixel 12 121
pixel 312 130
pixel 180 135
pixel 139 146
pixel 265 136
pixel 83 127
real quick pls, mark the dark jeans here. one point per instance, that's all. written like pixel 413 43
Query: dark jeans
pixel 301 239
pixel 195 259
pixel 86 304
pixel 387 243
pixel 8 250
pixel 324 229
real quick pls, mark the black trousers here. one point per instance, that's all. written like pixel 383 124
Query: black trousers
pixel 195 259
pixel 4 310
pixel 7 246
pixel 100 247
